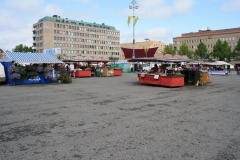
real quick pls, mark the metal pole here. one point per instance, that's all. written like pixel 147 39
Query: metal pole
pixel 133 6
pixel 133 55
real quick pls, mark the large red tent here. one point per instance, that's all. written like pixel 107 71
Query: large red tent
pixel 139 53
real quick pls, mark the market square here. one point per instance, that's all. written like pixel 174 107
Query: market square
pixel 119 118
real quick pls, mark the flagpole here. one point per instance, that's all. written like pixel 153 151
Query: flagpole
pixel 133 6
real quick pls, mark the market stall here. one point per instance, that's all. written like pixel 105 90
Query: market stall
pixel 161 80
pixel 117 72
pixel 28 68
pixel 212 67
pixel 89 66
pixel 162 76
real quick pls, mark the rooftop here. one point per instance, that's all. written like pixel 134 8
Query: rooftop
pixel 56 18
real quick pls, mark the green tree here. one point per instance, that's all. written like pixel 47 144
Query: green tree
pixel 185 51
pixel 236 51
pixel 22 48
pixel 222 51
pixel 169 50
pixel 201 51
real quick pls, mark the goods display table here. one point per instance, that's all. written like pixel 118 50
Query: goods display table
pixel 33 80
pixel 83 73
pixel 221 72
pixel 206 78
pixel 168 81
pixel 117 72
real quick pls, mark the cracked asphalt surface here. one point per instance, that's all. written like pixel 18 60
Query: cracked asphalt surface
pixel 119 119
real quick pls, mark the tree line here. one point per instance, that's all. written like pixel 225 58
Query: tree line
pixel 221 51
pixel 22 48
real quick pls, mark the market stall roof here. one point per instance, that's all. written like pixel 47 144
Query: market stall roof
pixel 27 57
pixel 138 52
pixel 154 59
pixel 218 63
pixel 86 60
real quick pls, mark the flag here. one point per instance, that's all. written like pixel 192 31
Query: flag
pixel 135 20
pixel 129 20
pixel 146 48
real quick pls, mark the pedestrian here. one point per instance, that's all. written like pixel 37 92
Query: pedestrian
pixel 72 70
pixel 56 69
pixel 67 69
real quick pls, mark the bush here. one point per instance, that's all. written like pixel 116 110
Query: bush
pixel 63 75
pixel 67 80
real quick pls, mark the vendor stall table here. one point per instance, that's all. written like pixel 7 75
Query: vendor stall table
pixel 206 78
pixel 117 72
pixel 218 72
pixel 168 81
pixel 83 73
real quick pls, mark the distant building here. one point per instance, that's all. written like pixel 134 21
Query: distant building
pixel 75 38
pixel 142 45
pixel 208 37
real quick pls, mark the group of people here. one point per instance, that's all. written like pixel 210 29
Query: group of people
pixel 153 69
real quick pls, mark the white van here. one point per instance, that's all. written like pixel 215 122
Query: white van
pixel 2 74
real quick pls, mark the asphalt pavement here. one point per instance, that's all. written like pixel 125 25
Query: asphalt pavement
pixel 117 118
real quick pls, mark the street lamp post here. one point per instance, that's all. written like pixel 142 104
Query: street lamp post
pixel 133 6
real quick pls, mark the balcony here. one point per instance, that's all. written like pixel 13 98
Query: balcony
pixel 33 47
pixel 34 35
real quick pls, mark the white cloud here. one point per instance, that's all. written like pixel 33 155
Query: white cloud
pixel 17 19
pixel 25 6
pixel 51 9
pixel 157 34
pixel 231 5
pixel 161 8
pixel 9 39
pixel 82 1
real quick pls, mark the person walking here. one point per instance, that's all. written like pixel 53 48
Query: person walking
pixel 67 69
pixel 72 70
pixel 56 69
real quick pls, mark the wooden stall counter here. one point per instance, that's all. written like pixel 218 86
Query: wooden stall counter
pixel 168 81
pixel 172 81
pixel 117 72
pixel 83 73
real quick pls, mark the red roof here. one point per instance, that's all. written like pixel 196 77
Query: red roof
pixel 139 53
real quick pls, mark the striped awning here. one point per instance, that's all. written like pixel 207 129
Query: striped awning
pixel 27 57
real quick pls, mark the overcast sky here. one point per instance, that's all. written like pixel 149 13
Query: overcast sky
pixel 159 20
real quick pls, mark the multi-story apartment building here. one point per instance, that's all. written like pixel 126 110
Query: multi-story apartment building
pixel 142 45
pixel 208 37
pixel 76 38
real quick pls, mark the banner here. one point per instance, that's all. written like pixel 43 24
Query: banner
pixel 146 48
pixel 135 20
pixel 129 20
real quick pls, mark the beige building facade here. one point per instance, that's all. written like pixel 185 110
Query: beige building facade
pixel 75 38
pixel 142 45
pixel 208 37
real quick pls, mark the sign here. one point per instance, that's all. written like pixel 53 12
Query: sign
pixel 53 51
